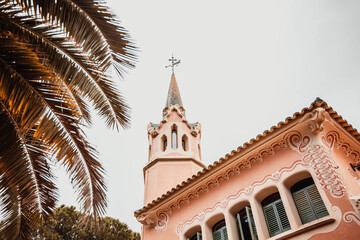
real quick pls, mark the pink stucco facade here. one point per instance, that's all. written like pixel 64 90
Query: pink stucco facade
pixel 183 198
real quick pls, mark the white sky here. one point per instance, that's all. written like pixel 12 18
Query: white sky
pixel 245 66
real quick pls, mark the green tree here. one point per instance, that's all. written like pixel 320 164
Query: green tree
pixel 66 224
pixel 54 60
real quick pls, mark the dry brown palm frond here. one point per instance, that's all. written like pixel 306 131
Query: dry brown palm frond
pixel 79 73
pixel 58 126
pixel 18 180
pixel 90 23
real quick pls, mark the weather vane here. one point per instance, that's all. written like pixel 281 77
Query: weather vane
pixel 174 63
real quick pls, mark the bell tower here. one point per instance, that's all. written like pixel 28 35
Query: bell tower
pixel 174 147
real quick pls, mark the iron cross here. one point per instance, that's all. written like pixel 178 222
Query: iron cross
pixel 174 63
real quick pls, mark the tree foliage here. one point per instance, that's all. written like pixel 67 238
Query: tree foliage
pixel 54 59
pixel 66 224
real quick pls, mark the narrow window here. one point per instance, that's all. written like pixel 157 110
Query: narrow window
pixel 197 236
pixel 185 143
pixel 308 201
pixel 219 231
pixel 150 150
pixel 199 150
pixel 246 224
pixel 174 139
pixel 275 215
pixel 164 143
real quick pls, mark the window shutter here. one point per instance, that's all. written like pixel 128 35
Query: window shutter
pixel 217 235
pixel 317 202
pixel 309 204
pixel 285 225
pixel 240 227
pixel 225 236
pixel 199 236
pixel 271 220
pixel 251 223
pixel 220 234
pixel 302 202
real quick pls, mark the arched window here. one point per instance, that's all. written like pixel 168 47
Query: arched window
pixel 246 224
pixel 164 143
pixel 174 144
pixel 185 143
pixel 275 215
pixel 308 200
pixel 219 231
pixel 197 236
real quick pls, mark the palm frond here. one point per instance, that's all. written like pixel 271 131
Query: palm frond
pixel 16 180
pixel 79 73
pixel 54 55
pixel 58 126
pixel 91 24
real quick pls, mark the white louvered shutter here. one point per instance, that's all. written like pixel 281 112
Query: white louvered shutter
pixel 284 222
pixel 251 223
pixel 220 234
pixel 217 235
pixel 271 220
pixel 240 226
pixel 303 205
pixel 309 204
pixel 317 203
pixel 225 236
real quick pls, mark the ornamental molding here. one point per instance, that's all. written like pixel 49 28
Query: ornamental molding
pixel 316 119
pixel 351 216
pixel 275 177
pixel 162 216
pixel 317 156
pixel 327 174
pixel 314 156
pixel 332 140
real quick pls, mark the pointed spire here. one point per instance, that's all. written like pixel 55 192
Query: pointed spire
pixel 174 93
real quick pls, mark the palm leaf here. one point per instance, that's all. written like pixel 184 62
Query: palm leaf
pixel 53 61
pixel 58 126
pixel 87 80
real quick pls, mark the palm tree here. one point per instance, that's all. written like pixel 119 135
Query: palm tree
pixel 54 60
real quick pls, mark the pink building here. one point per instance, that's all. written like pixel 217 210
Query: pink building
pixel 298 180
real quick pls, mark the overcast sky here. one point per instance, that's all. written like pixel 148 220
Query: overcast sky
pixel 245 66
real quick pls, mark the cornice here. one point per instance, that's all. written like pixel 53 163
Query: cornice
pixel 165 159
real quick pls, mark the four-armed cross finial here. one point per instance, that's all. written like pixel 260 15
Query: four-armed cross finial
pixel 174 63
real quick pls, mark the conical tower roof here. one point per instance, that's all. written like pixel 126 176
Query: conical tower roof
pixel 174 93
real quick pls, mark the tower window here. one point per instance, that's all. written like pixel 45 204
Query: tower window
pixel 275 215
pixel 164 143
pixel 185 143
pixel 308 201
pixel 174 144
